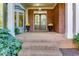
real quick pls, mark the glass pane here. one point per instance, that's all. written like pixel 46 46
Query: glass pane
pixel 20 19
pixel 43 22
pixel 15 18
pixel 0 21
pixel 5 14
pixel 37 22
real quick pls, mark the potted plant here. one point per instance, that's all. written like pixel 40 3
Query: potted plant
pixel 50 26
pixel 17 30
pixel 28 26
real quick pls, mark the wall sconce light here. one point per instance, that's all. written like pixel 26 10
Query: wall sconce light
pixel 39 9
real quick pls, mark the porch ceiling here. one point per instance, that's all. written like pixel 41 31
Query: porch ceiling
pixel 41 5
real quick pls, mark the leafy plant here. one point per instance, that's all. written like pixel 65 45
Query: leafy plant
pixel 76 40
pixel 9 45
pixel 17 30
pixel 27 24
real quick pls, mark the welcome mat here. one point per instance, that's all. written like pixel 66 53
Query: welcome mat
pixel 69 51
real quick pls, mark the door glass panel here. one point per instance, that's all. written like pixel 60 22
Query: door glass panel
pixel 43 22
pixel 40 22
pixel 36 22
pixel 20 19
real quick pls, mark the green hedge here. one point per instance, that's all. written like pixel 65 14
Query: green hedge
pixel 76 40
pixel 9 45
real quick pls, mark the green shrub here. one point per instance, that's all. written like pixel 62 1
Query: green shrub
pixel 17 31
pixel 76 40
pixel 9 45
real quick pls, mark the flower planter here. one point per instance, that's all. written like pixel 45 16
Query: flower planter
pixel 28 28
pixel 50 28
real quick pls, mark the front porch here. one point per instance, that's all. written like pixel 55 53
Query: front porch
pixel 43 44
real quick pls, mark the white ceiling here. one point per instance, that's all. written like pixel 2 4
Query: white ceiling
pixel 41 5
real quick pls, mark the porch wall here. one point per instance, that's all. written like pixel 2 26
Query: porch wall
pixel 62 18
pixel 56 18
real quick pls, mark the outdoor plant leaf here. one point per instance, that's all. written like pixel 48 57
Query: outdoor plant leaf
pixel 9 45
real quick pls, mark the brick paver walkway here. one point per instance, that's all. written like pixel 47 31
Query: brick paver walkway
pixel 43 44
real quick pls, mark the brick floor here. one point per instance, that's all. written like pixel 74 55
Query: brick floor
pixel 43 44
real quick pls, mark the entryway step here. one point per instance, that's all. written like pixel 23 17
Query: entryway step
pixel 30 52
pixel 40 40
pixel 40 47
pixel 39 44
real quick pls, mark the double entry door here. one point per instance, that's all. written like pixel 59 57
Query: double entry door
pixel 40 22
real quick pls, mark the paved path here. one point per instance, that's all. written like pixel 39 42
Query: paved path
pixel 43 44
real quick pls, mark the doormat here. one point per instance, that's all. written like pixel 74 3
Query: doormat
pixel 69 51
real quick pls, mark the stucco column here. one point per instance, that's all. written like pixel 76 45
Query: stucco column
pixel 26 15
pixel 10 20
pixel 77 18
pixel 69 20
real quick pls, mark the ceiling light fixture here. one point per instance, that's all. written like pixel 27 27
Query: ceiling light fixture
pixel 37 4
pixel 39 9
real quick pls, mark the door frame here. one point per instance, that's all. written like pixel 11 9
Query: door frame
pixel 34 21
